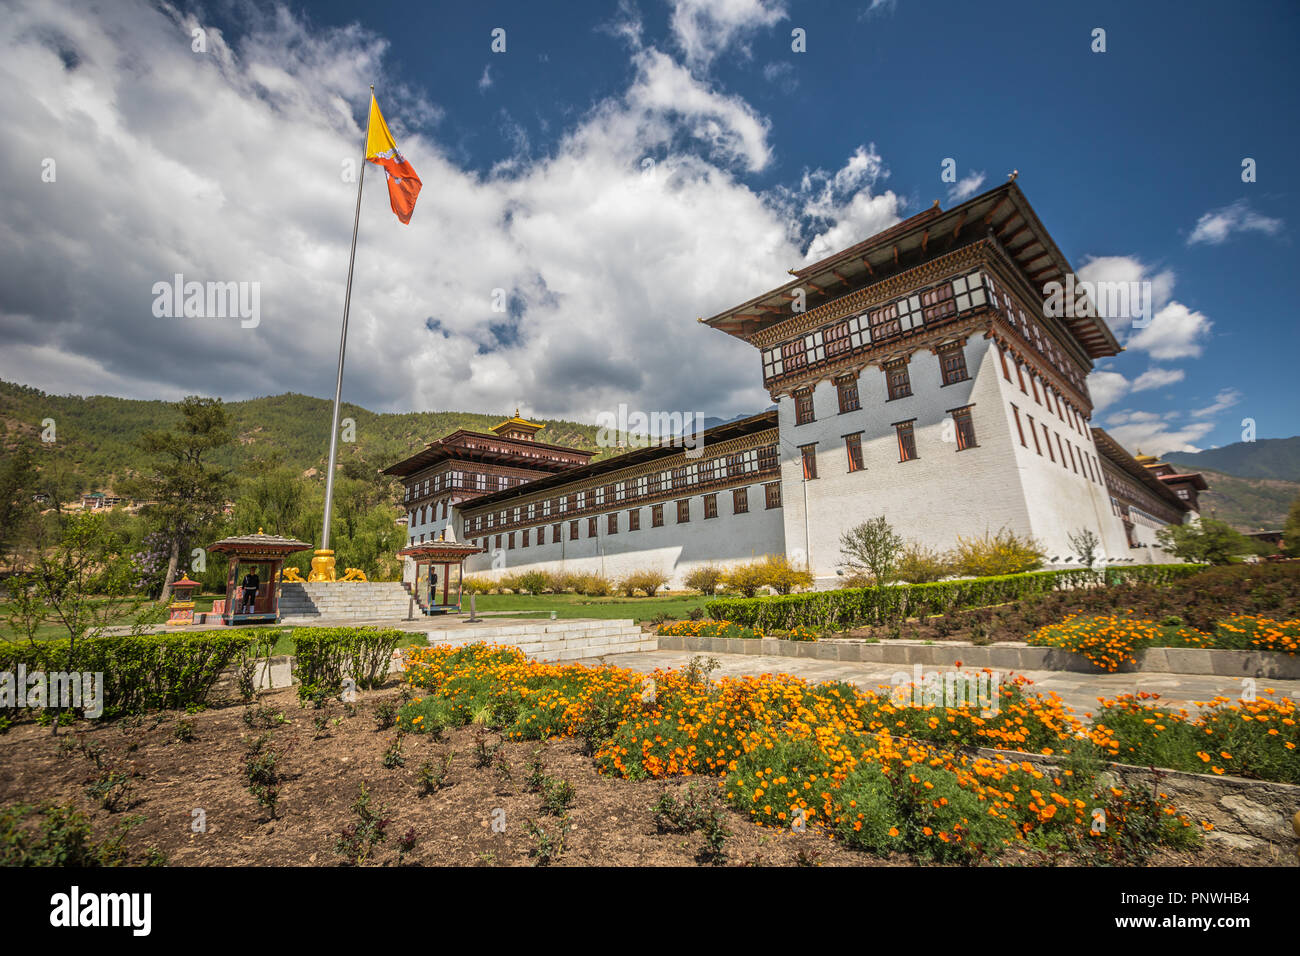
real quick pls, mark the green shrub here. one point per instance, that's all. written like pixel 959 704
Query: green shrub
pixel 141 672
pixel 1003 553
pixel 593 584
pixel 744 579
pixel 705 579
pixel 648 580
pixel 325 656
pixel 917 564
pixel 780 575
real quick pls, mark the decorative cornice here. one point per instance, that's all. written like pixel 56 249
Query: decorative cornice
pixel 891 288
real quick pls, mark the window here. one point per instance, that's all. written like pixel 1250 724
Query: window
pixel 541 535
pixel 853 447
pixel 1062 451
pixel 573 530
pixel 1002 357
pixel 847 388
pixel 611 523
pixel 884 321
pixel 794 355
pixel 592 530
pixel 510 541
pixel 1019 428
pixel 906 441
pixel 952 363
pixel 1020 374
pixel 683 510
pixel 523 540
pixel 1034 432
pixel 656 516
pixel 803 407
pixel 1073 463
pixel 557 532
pixel 740 501
pixel 1048 436
pixel 809 455
pixel 498 541
pixel 710 506
pixel 772 494
pixel 634 520
pixel 896 377
pixel 965 428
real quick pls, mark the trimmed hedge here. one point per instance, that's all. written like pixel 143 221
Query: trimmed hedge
pixel 326 656
pixel 852 606
pixel 141 672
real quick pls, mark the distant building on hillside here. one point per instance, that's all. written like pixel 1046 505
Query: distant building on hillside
pixel 101 501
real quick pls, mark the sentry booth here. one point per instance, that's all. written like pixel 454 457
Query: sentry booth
pixel 439 574
pixel 260 555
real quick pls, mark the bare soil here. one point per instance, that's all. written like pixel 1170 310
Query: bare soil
pixel 610 821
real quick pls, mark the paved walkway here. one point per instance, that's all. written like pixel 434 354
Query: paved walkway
pixel 1080 691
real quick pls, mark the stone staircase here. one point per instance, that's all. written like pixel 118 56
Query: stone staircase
pixel 357 600
pixel 559 640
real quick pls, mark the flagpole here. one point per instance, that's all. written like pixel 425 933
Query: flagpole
pixel 323 562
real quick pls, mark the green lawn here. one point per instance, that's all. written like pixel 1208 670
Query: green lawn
pixel 579 605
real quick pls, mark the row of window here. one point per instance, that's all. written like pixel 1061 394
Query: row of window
pixel 523 538
pixel 1043 393
pixel 1033 333
pixel 944 300
pixel 463 481
pixel 952 368
pixel 964 434
pixel 691 475
pixel 1091 467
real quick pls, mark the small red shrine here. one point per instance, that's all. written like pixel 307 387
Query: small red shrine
pixel 439 574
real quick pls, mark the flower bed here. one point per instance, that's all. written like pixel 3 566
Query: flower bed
pixel 1256 739
pixel 706 629
pixel 791 753
pixel 1252 632
pixel 1111 642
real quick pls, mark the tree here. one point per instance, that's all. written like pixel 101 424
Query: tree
pixel 18 480
pixel 1085 544
pixel 184 494
pixel 77 575
pixel 872 547
pixel 1208 541
pixel 1291 530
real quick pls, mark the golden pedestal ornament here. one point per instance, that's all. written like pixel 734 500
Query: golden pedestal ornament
pixel 322 566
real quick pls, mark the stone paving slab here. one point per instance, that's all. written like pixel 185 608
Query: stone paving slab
pixel 1079 690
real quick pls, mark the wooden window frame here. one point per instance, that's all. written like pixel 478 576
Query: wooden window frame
pixel 771 495
pixel 657 516
pixel 711 505
pixel 906 430
pixel 853 451
pixel 740 500
pixel 808 461
pixel 683 510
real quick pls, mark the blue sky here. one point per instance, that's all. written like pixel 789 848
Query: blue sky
pixel 532 163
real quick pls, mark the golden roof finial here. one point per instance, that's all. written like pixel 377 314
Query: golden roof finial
pixel 259 529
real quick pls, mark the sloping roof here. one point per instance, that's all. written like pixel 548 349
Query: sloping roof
pixel 662 449
pixel 1114 452
pixel 454 446
pixel 1003 212
pixel 259 544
